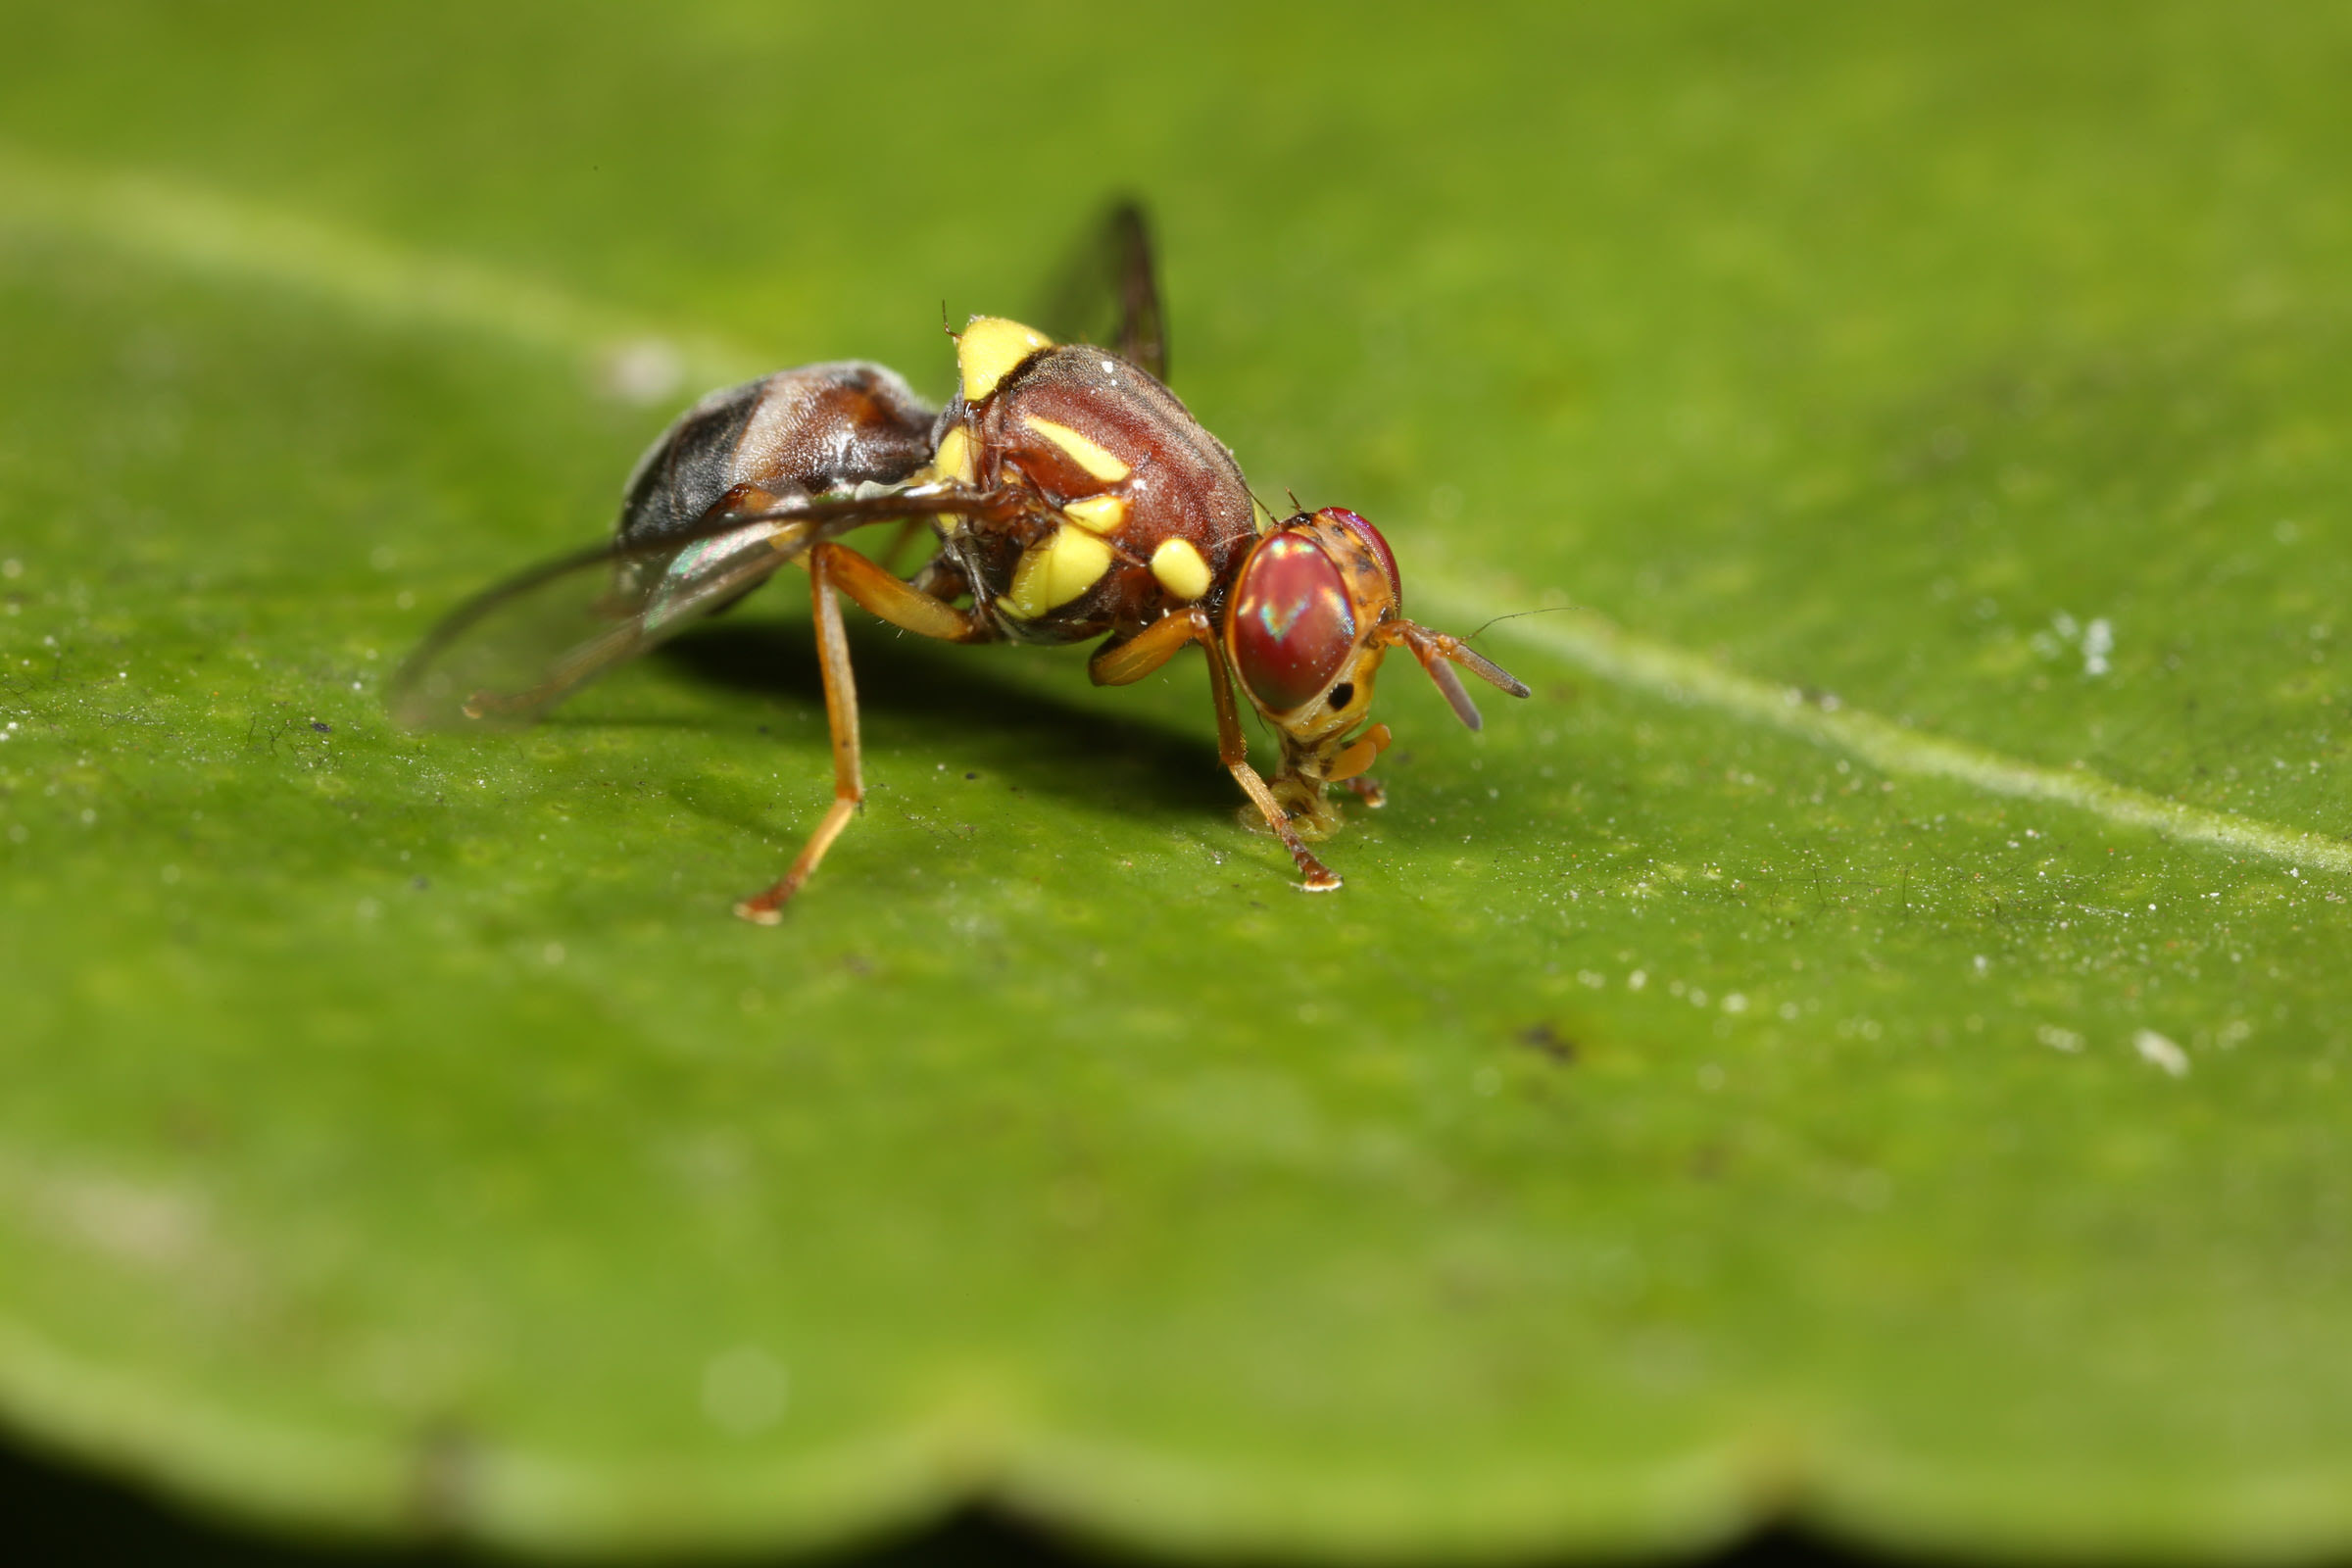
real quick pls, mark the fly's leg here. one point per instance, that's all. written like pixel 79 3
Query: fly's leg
pixel 837 567
pixel 898 602
pixel 1119 663
pixel 1349 767
pixel 840 713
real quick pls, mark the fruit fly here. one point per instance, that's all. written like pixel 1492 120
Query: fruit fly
pixel 1071 497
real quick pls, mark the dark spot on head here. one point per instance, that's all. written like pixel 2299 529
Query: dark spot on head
pixel 1550 1041
pixel 323 726
pixel 1343 694
pixel 972 775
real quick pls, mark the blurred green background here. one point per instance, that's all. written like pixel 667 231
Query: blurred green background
pixel 1863 1045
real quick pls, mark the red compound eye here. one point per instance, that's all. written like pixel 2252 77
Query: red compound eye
pixel 1373 542
pixel 1291 625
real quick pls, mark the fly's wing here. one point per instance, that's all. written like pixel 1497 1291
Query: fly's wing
pixel 510 653
pixel 1109 293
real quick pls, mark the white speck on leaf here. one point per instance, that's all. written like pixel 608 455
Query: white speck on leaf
pixel 646 370
pixel 744 1391
pixel 2098 641
pixel 2155 1048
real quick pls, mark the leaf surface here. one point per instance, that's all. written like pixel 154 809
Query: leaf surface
pixel 1865 1041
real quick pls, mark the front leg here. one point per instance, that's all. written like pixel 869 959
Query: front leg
pixel 1117 663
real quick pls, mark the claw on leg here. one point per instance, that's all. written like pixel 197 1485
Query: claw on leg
pixel 1315 876
pixel 767 909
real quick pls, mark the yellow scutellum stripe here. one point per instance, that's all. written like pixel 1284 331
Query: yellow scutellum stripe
pixel 1601 648
pixel 1086 452
pixel 249 241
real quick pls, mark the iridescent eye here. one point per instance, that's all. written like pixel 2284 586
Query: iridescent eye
pixel 1291 625
pixel 1373 542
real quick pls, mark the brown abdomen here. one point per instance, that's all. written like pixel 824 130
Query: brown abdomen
pixel 804 431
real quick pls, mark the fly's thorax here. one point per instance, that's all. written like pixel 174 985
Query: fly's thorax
pixel 1136 508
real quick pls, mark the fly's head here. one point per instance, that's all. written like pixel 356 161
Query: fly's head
pixel 1316 606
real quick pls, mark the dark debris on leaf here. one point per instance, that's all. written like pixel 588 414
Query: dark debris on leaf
pixel 1543 1038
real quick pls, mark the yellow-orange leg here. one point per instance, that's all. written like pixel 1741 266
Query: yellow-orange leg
pixel 1349 767
pixel 1154 645
pixel 831 566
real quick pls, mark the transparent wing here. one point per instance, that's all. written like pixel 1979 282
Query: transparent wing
pixel 510 652
pixel 1110 293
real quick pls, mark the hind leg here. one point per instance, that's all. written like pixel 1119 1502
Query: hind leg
pixel 834 567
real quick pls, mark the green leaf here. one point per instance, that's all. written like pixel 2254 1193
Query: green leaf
pixel 1866 1042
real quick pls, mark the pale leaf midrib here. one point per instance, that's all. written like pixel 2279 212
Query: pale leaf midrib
pixel 173 222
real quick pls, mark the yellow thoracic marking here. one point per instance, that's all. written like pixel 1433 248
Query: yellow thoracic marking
pixel 1259 518
pixel 1083 451
pixel 1056 571
pixel 990 347
pixel 1180 568
pixel 954 461
pixel 1097 513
